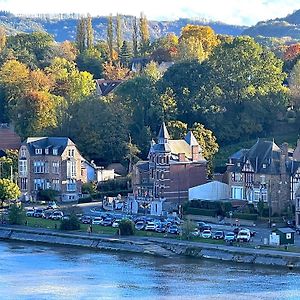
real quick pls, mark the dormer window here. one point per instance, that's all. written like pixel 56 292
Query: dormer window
pixel 38 151
pixel 238 164
pixel 47 151
pixel 55 152
pixel 23 152
pixel 264 166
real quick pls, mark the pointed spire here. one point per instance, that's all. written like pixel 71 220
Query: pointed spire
pixel 163 135
pixel 190 139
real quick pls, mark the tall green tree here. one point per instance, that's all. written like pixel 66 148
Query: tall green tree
pixel 110 36
pixel 89 33
pixel 135 37
pixel 81 35
pixel 125 54
pixel 119 34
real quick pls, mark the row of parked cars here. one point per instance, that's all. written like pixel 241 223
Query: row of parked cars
pixel 238 234
pixel 45 213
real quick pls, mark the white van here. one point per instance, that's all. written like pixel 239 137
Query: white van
pixel 244 235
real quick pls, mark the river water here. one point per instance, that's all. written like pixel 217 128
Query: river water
pixel 40 272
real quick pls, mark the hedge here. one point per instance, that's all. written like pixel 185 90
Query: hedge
pixel 201 211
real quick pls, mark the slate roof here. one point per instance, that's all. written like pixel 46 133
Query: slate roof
pixel 190 139
pixel 264 157
pixel 143 165
pixel 163 132
pixel 59 143
pixel 8 138
pixel 104 87
pixel 286 230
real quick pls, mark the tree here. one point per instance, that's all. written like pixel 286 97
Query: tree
pixel 132 154
pixel 119 35
pixel 110 37
pixel 135 37
pixel 294 84
pixel 292 52
pixel 66 50
pixel 126 227
pixel 72 223
pixel 169 105
pixel 115 72
pixel 2 38
pixel 144 34
pixel 188 228
pixel 125 54
pixel 9 165
pixel 89 33
pixel 177 129
pixel 8 190
pixel 198 41
pixel 151 71
pixel 16 215
pixel 81 35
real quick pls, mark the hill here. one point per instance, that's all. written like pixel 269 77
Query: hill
pixel 279 27
pixel 63 27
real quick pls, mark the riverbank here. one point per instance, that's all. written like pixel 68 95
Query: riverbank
pixel 160 247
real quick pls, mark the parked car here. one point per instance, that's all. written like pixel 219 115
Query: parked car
pixel 107 222
pixel 116 224
pixel 243 235
pixel 30 212
pixel 206 234
pixel 52 205
pixel 229 237
pixel 38 212
pixel 57 215
pixel 96 221
pixel 150 226
pixel 174 229
pixel 160 228
pixel 86 220
pixel 196 232
pixel 47 214
pixel 218 235
pixel 139 225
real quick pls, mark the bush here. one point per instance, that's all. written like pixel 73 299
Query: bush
pixel 126 227
pixel 16 215
pixel 47 195
pixel 85 200
pixel 201 211
pixel 70 224
pixel 89 188
pixel 188 228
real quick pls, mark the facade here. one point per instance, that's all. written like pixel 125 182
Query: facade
pixel 213 191
pixel 51 163
pixel 267 173
pixel 173 166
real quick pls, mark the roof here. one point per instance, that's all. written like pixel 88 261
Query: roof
pixel 8 138
pixel 59 143
pixel 143 165
pixel 180 146
pixel 190 139
pixel 104 87
pixel 286 230
pixel 2 153
pixel 163 132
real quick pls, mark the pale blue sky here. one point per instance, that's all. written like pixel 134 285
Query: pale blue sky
pixel 242 12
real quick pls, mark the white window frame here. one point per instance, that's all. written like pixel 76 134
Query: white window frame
pixel 38 151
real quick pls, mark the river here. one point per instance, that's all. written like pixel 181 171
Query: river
pixel 30 271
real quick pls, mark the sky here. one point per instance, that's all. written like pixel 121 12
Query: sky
pixel 239 12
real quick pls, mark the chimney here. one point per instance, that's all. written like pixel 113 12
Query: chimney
pixel 181 157
pixel 285 150
pixel 195 152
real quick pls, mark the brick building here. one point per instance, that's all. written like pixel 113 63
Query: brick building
pixel 265 172
pixel 173 166
pixel 51 163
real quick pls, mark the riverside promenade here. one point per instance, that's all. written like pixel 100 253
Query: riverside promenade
pixel 162 247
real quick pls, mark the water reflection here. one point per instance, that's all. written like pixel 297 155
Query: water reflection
pixel 39 272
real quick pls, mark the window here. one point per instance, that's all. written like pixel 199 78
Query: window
pixel 264 166
pixel 23 152
pixel 39 167
pixel 23 184
pixel 46 167
pixel 38 151
pixel 71 152
pixel 56 184
pixel 71 168
pixel 71 185
pixel 39 184
pixel 47 151
pixel 55 167
pixel 23 168
pixel 55 152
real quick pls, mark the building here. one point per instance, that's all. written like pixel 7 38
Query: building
pixel 265 172
pixel 104 87
pixel 51 163
pixel 173 166
pixel 212 191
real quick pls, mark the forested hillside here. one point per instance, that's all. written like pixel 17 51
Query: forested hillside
pixel 63 27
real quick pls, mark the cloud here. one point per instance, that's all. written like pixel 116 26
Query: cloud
pixel 242 12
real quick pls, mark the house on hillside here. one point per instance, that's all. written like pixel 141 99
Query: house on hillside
pixel 104 87
pixel 265 172
pixel 51 163
pixel 161 183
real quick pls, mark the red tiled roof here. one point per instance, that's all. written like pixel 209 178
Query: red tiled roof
pixel 9 139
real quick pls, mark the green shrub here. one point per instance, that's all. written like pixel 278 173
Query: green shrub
pixel 47 195
pixel 201 211
pixel 16 215
pixel 85 200
pixel 243 216
pixel 126 227
pixel 70 224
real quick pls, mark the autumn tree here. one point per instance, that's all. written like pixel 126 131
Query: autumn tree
pixel 177 129
pixel 9 165
pixel 294 84
pixel 8 190
pixel 115 71
pixel 2 38
pixel 66 50
pixel 291 52
pixel 144 34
